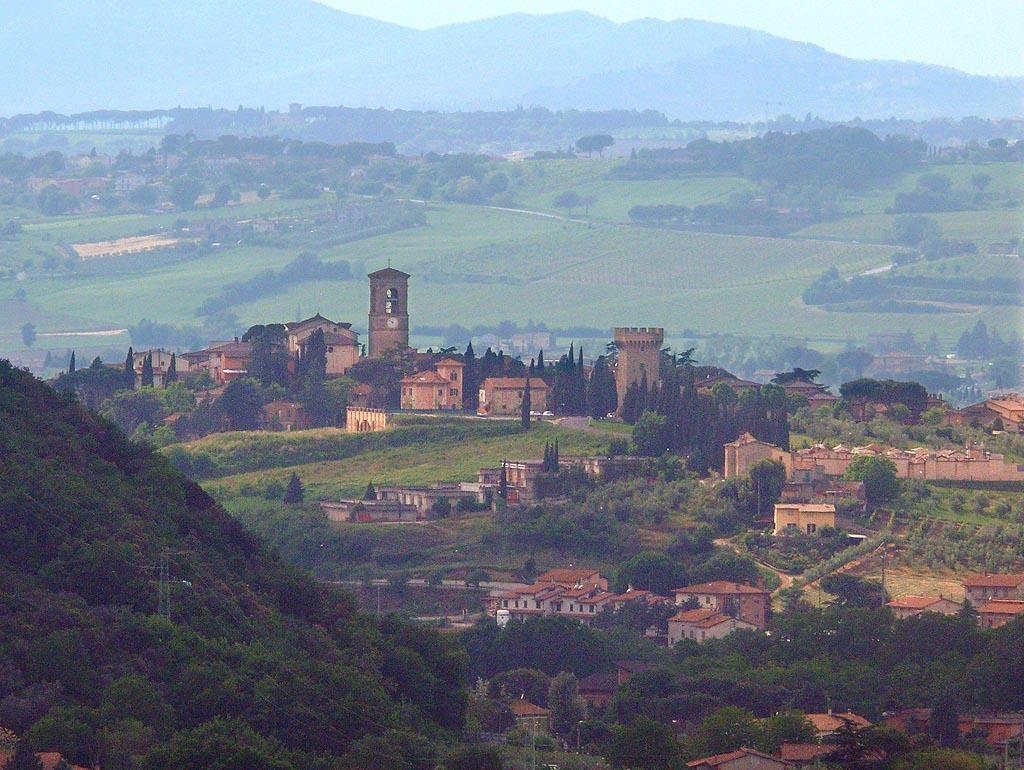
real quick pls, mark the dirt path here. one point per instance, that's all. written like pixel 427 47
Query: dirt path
pixel 785 580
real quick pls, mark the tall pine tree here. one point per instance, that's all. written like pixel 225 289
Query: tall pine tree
pixel 524 412
pixel 470 383
pixel 172 371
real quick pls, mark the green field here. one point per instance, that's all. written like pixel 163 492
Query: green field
pixel 474 264
pixel 417 464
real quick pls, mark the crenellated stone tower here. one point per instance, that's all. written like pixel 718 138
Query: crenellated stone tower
pixel 639 351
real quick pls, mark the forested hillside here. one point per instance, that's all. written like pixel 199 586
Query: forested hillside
pixel 140 626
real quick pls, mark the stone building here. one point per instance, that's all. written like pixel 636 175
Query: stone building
pixel 503 396
pixel 342 343
pixel 639 356
pixel 904 607
pixel 746 451
pixel 389 311
pixel 703 624
pixel 285 415
pixel 748 603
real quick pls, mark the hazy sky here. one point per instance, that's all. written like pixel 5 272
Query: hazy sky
pixel 981 36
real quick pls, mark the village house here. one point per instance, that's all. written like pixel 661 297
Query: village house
pixel 904 607
pixel 503 396
pixel 805 754
pixel 745 602
pixel 703 624
pixel 161 360
pixel 998 612
pixel 804 517
pixel 830 723
pixel 994 729
pixel 342 343
pixel 576 593
pixel 285 415
pixel 439 388
pixel 221 361
pixel 530 716
pixel 1007 409
pixel 982 588
pixel 741 759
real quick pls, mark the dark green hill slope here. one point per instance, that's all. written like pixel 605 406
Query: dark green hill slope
pixel 258 666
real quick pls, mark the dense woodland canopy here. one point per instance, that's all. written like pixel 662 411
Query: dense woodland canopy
pixel 243 658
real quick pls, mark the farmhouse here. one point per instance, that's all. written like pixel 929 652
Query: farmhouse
pixel 1008 410
pixel 285 415
pixel 905 607
pixel 803 517
pixel 369 511
pixel 982 588
pixel 998 612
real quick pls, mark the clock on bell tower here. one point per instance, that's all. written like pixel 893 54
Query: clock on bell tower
pixel 389 311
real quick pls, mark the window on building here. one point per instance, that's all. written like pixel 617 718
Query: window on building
pixel 389 306
pixel 391 294
pixel 453 392
pixel 454 376
pixel 811 528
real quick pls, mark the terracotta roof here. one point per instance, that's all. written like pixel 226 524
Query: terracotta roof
pixel 316 319
pixel 693 616
pixel 993 581
pixel 513 383
pixel 719 587
pixel 1003 607
pixel 424 378
pixel 566 575
pixel 720 759
pixel 453 362
pixel 829 723
pixel 914 602
pixel 523 708
pixel 809 507
pixel 232 348
pixel 803 752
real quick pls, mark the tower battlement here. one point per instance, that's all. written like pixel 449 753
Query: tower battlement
pixel 641 336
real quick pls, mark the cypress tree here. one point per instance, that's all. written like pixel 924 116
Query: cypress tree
pixel 547 456
pixel 524 414
pixel 370 493
pixel 128 376
pixel 503 482
pixel 294 494
pixel 642 396
pixel 172 371
pixel 629 404
pixel 556 455
pixel 540 363
pixel 470 383
pixel 71 365
pixel 147 371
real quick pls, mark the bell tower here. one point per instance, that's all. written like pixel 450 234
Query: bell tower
pixel 389 311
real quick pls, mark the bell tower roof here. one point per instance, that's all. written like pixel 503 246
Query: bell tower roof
pixel 388 272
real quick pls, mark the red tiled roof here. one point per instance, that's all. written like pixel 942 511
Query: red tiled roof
pixel 993 581
pixel 721 759
pixel 719 587
pixel 453 362
pixel 826 723
pixel 1003 607
pixel 49 759
pixel 523 708
pixel 424 378
pixel 566 575
pixel 602 682
pixel 803 752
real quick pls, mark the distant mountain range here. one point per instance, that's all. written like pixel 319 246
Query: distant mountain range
pixel 79 55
